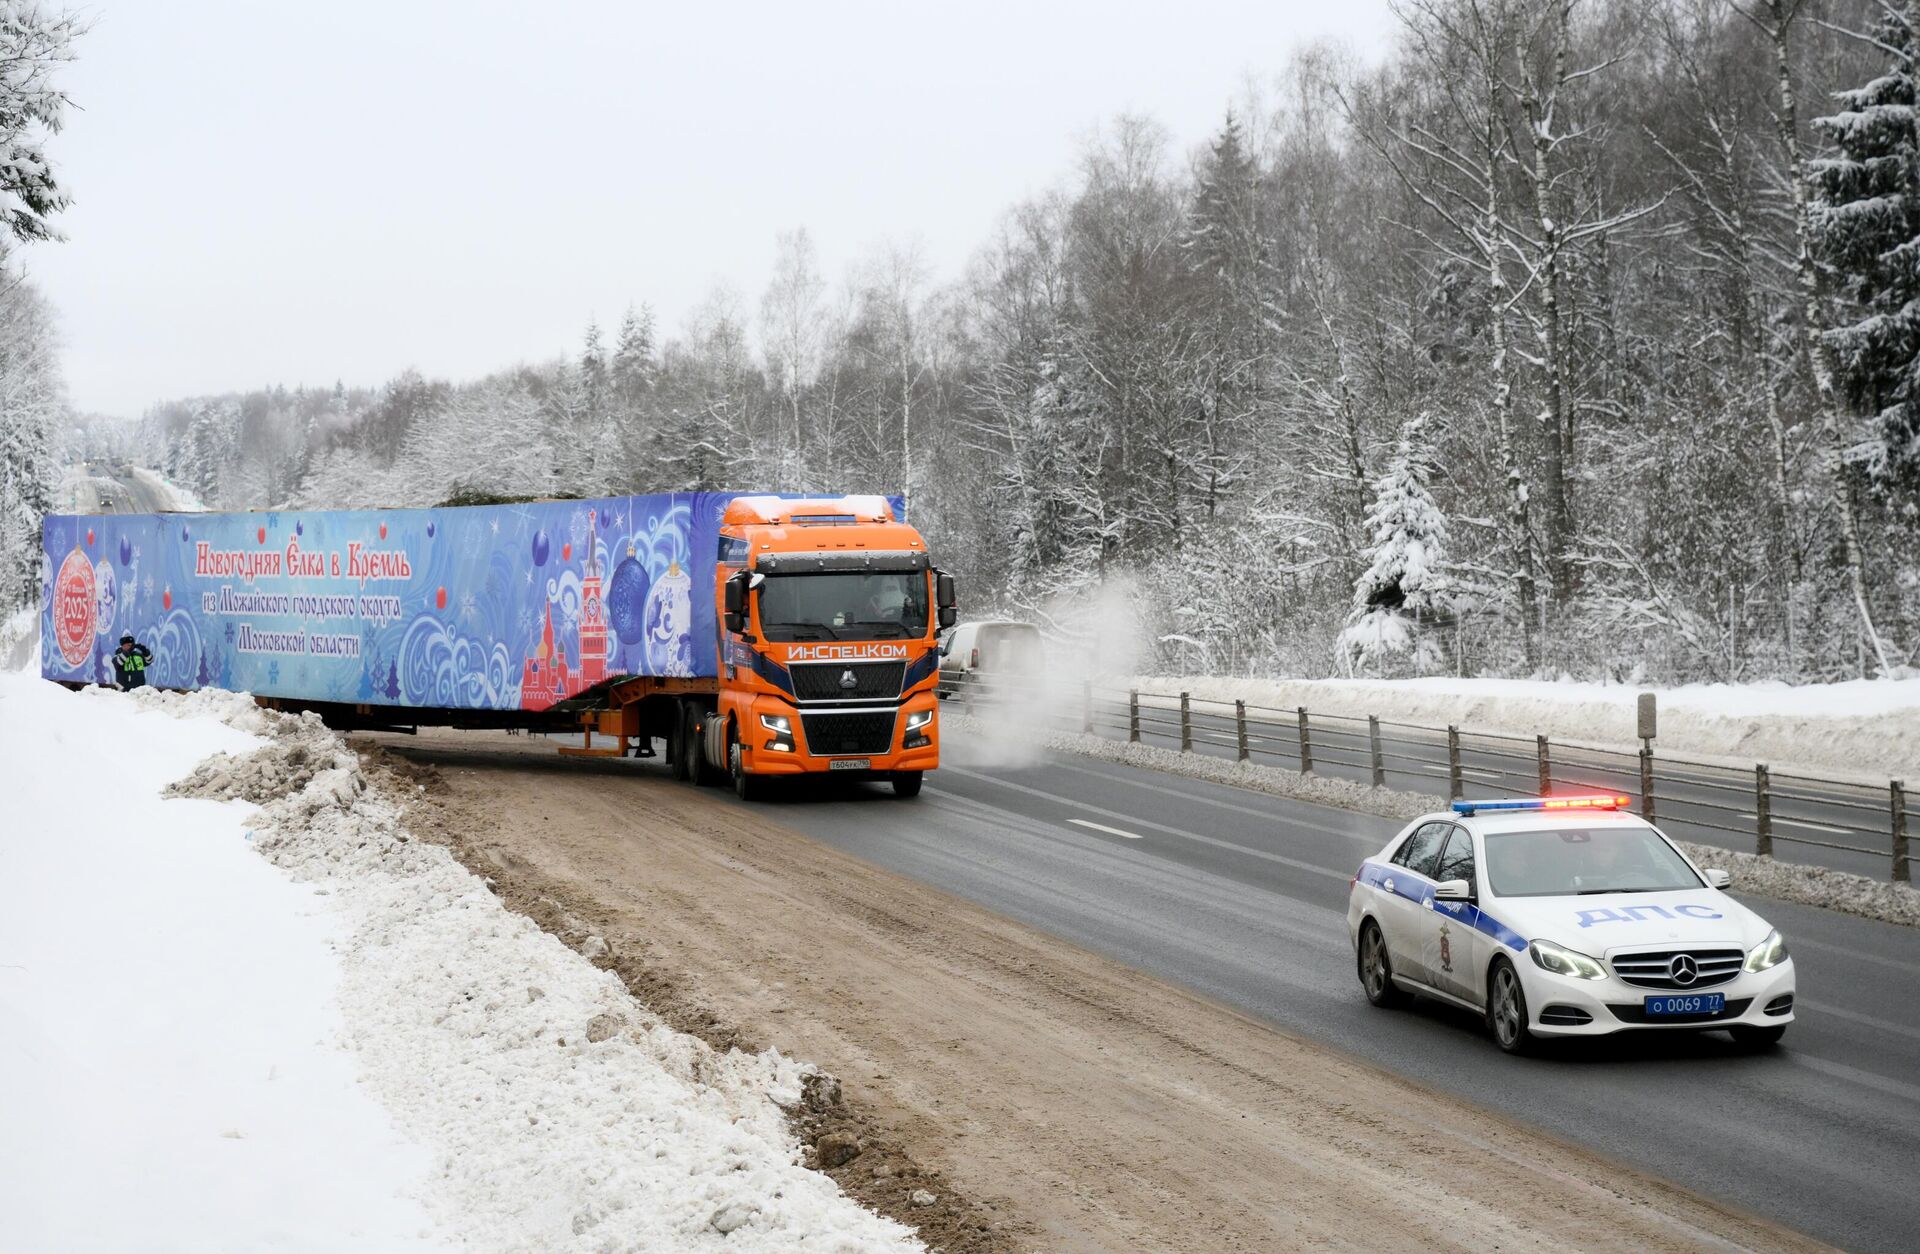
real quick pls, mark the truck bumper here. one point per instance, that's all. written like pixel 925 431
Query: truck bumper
pixel 762 758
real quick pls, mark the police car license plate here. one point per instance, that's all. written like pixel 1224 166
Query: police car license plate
pixel 1687 1004
pixel 850 764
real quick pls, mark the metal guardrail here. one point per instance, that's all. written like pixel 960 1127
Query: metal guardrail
pixel 1769 807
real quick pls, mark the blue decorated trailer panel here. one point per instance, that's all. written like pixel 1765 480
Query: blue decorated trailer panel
pixel 498 607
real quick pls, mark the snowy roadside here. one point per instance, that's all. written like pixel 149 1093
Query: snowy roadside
pixel 1765 877
pixel 165 1075
pixel 178 499
pixel 20 641
pixel 465 1079
pixel 1866 729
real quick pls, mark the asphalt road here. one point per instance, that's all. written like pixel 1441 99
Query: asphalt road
pixel 1694 802
pixel 101 488
pixel 1241 896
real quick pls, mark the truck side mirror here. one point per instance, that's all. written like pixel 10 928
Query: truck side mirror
pixel 735 603
pixel 944 597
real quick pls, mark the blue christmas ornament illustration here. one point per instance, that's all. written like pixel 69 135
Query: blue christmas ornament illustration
pixel 627 599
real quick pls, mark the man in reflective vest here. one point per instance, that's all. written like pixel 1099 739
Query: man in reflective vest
pixel 130 663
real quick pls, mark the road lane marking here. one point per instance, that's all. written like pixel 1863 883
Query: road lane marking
pixel 1853 1017
pixel 1812 827
pixel 1182 833
pixel 1866 1079
pixel 1102 827
pixel 1269 815
pixel 1898 964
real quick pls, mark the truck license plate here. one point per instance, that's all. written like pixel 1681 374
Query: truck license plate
pixel 1688 1004
pixel 850 764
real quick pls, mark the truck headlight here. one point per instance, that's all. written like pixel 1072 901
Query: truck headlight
pixel 918 724
pixel 782 728
pixel 1770 952
pixel 1551 957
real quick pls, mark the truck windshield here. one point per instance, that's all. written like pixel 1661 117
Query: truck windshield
pixel 845 605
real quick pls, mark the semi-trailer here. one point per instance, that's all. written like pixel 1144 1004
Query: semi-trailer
pixel 756 635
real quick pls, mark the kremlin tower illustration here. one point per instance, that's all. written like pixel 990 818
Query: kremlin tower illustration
pixel 545 677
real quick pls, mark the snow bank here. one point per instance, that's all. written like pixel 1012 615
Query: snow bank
pixel 168 1079
pixel 560 1112
pixel 1862 728
pixel 1763 877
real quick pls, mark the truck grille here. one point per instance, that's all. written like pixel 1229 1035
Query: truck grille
pixel 827 681
pixel 1670 968
pixel 865 733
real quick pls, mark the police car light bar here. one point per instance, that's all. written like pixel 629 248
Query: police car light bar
pixel 1544 803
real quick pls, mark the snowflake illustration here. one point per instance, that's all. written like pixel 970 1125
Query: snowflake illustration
pixel 468 606
pixel 529 579
pixel 495 524
pixel 273 671
pixel 229 633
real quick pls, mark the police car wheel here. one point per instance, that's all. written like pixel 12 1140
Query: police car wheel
pixel 1507 1010
pixel 1376 968
pixel 1757 1038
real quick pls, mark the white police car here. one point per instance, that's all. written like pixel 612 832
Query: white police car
pixel 1564 916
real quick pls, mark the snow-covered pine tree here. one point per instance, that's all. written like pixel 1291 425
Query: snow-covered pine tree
pixel 1402 601
pixel 34 41
pixel 26 495
pixel 1866 216
pixel 1227 254
pixel 633 367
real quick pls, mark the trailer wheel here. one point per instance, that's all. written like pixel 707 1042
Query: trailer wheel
pixel 906 783
pixel 677 747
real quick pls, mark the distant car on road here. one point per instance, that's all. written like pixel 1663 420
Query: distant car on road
pixel 991 654
pixel 1564 916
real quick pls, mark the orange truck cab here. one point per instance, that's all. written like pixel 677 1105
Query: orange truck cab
pixel 828 657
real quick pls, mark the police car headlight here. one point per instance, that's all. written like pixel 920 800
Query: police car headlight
pixel 919 719
pixel 1551 957
pixel 1770 952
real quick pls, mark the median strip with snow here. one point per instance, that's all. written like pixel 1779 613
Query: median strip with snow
pixel 348 1041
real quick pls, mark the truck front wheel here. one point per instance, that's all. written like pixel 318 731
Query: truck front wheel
pixel 906 783
pixel 700 768
pixel 745 786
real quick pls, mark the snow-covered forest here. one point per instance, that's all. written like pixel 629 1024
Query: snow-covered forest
pixel 1575 338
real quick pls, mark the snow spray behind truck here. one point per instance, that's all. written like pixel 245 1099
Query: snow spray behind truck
pixel 758 635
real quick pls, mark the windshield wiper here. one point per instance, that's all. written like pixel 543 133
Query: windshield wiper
pixel 812 627
pixel 883 622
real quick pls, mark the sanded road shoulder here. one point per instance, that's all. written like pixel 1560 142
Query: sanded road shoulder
pixel 1097 1107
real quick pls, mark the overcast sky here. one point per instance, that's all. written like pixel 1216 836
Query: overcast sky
pixel 301 193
